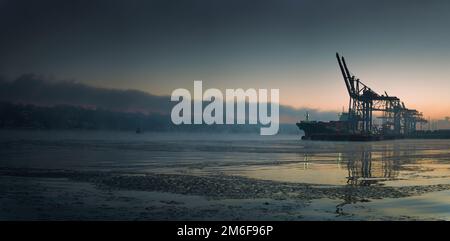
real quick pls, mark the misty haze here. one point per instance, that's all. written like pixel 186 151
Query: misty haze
pixel 86 131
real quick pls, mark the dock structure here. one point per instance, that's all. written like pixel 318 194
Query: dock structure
pixel 396 118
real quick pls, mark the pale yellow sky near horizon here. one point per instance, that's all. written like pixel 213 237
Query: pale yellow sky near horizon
pixel 424 90
pixel 335 98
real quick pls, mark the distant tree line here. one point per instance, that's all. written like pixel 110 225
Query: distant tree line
pixel 69 117
pixel 19 116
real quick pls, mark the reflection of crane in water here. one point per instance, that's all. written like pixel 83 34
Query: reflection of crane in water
pixel 372 164
pixel 363 170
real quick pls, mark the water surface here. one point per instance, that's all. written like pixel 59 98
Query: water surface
pixel 283 159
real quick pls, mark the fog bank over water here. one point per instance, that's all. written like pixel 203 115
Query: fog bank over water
pixel 40 91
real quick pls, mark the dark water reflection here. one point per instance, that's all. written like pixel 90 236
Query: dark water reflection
pixel 411 162
pixel 279 158
pixel 362 171
pixel 284 158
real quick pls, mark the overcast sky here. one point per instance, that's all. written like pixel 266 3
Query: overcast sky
pixel 402 47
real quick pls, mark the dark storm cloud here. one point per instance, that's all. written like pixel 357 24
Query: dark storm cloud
pixel 33 89
pixel 88 36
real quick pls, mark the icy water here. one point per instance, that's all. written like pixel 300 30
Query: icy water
pixel 66 175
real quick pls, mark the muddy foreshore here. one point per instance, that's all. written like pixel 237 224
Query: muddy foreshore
pixel 225 186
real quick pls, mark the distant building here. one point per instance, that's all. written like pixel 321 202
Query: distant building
pixel 443 124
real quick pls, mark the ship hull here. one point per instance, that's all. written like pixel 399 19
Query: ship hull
pixel 342 137
pixel 334 131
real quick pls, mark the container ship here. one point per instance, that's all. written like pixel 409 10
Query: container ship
pixel 396 120
pixel 334 131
